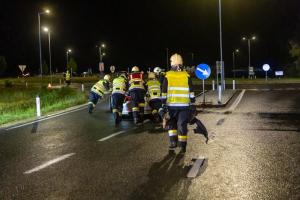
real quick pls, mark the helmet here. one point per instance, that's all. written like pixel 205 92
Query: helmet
pixel 176 60
pixel 107 77
pixel 123 75
pixel 157 70
pixel 135 69
pixel 151 75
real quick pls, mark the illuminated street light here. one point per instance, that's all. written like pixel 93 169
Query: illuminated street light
pixel 40 45
pixel 68 52
pixel 101 54
pixel 46 29
pixel 233 60
pixel 249 51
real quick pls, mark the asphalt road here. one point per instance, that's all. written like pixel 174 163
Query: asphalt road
pixel 254 153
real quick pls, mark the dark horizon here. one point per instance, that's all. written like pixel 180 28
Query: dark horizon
pixel 138 33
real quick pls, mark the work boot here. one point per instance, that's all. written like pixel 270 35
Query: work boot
pixel 136 120
pixel 90 108
pixel 182 151
pixel 173 145
pixel 116 117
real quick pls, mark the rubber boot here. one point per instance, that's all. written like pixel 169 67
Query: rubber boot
pixel 116 117
pixel 90 108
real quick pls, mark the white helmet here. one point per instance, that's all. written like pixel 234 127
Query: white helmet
pixel 107 77
pixel 135 69
pixel 157 70
pixel 176 60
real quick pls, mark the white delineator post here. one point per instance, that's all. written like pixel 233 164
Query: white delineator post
pixel 38 106
pixel 82 87
pixel 233 84
pixel 219 93
pixel 213 85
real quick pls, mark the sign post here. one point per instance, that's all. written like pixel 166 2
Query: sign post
pixel 266 68
pixel 203 72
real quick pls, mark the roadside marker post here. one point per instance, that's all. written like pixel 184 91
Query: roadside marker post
pixel 219 93
pixel 213 85
pixel 38 106
pixel 82 87
pixel 233 84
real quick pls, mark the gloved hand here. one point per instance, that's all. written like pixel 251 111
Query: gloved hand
pixel 192 107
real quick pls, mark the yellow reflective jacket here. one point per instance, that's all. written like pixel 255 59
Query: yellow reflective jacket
pixel 99 88
pixel 119 85
pixel 153 89
pixel 68 76
pixel 178 88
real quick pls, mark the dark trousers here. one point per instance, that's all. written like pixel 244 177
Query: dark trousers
pixel 117 102
pixel 138 102
pixel 155 105
pixel 178 122
pixel 93 98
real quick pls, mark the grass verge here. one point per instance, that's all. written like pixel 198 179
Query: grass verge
pixel 19 103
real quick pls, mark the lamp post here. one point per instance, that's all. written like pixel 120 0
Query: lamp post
pixel 100 51
pixel 40 45
pixel 46 29
pixel 233 61
pixel 68 51
pixel 249 50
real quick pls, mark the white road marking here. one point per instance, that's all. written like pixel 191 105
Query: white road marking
pixel 112 135
pixel 237 101
pixel 46 118
pixel 50 162
pixel 120 132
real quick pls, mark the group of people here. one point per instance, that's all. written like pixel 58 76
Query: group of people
pixel 171 92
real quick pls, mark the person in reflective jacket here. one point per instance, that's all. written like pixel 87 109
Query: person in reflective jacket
pixel 154 95
pixel 97 92
pixel 118 95
pixel 137 93
pixel 177 96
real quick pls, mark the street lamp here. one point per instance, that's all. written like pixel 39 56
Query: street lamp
pixel 249 50
pixel 233 60
pixel 101 47
pixel 39 28
pixel 68 51
pixel 46 29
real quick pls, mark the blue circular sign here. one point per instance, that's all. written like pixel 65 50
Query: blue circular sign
pixel 202 71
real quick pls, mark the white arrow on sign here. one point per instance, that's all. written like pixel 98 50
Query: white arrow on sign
pixel 204 72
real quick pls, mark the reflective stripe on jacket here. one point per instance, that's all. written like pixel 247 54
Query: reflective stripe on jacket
pixel 68 76
pixel 153 89
pixel 119 85
pixel 178 89
pixel 99 88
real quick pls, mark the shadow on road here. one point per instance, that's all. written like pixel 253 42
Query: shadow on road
pixel 167 178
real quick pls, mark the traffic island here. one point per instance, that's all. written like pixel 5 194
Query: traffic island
pixel 211 99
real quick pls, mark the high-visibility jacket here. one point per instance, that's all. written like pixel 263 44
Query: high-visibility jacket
pixel 119 85
pixel 136 81
pixel 153 89
pixel 178 88
pixel 68 76
pixel 99 88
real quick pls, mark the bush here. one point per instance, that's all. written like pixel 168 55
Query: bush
pixel 8 83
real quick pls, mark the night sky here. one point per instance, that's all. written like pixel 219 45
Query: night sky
pixel 138 32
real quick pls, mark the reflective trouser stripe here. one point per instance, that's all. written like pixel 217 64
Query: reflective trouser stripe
pixel 135 109
pixel 141 105
pixel 154 111
pixel 115 110
pixel 92 103
pixel 172 133
pixel 182 138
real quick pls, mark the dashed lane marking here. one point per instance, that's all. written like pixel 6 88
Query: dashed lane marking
pixel 50 162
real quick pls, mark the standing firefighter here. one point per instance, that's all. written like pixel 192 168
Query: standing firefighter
pixel 97 92
pixel 68 77
pixel 177 94
pixel 137 93
pixel 159 74
pixel 118 96
pixel 153 87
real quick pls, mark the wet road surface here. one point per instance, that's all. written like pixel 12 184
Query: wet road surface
pixel 254 153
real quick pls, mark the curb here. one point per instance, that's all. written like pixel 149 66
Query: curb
pixel 222 105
